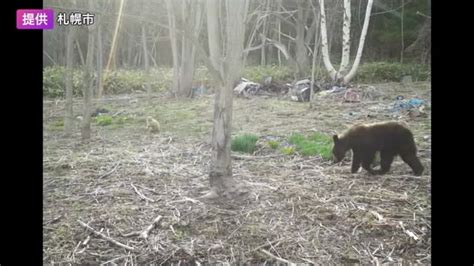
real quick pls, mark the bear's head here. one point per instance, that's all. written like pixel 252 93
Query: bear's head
pixel 339 149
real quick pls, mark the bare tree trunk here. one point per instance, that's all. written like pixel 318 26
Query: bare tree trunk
pixel 213 30
pixel 279 32
pixel 100 61
pixel 332 29
pixel 146 62
pixel 313 65
pixel 153 55
pixel 401 26
pixel 221 168
pixel 324 43
pixel 426 56
pixel 111 60
pixel 316 54
pixel 301 54
pixel 422 45
pixel 130 52
pixel 187 69
pixel 88 80
pixel 154 48
pixel 174 44
pixel 183 66
pixel 351 73
pixel 251 38
pixel 79 50
pixel 264 32
pixel 312 30
pixel 346 37
pixel 100 49
pixel 192 24
pixel 121 55
pixel 270 54
pixel 137 59
pixel 181 18
pixel 69 117
pixel 220 175
pixel 346 43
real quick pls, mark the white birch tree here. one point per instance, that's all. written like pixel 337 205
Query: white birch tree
pixel 340 75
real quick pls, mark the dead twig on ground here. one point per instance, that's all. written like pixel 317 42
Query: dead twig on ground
pixel 141 194
pixel 110 172
pixel 111 240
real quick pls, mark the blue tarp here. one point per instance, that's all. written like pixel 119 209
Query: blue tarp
pixel 401 104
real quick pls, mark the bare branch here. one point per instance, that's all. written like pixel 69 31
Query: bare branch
pixel 97 233
pixel 421 14
pixel 286 35
pixel 391 11
pixel 146 231
pixel 275 257
pixel 141 194
pixel 111 171
pixel 285 20
pixel 279 46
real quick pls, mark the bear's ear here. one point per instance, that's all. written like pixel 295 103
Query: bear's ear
pixel 335 138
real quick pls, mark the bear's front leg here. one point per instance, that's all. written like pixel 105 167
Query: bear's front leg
pixel 367 162
pixel 356 160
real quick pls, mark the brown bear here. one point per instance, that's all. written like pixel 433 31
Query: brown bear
pixel 389 138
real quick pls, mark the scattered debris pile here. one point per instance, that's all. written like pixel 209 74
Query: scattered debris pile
pixel 370 93
pixel 247 88
pixel 276 89
pixel 348 94
pixel 300 92
pixel 198 91
pixel 99 111
pixel 412 107
pixel 352 94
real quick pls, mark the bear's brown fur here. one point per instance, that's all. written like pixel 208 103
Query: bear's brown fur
pixel 389 138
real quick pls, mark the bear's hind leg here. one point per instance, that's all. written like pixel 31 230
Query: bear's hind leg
pixel 413 161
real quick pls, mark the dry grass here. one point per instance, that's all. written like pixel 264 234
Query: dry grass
pixel 298 209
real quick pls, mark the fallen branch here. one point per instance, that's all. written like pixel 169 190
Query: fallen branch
pixel 54 219
pixel 310 261
pixel 110 172
pixel 149 189
pixel 113 241
pixel 275 257
pixel 88 238
pixel 140 194
pixel 186 199
pixel 408 232
pixel 112 260
pixel 423 15
pixel 146 231
pixel 135 233
pixel 355 227
pixel 266 245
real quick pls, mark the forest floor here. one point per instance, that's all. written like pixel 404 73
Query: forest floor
pixel 298 209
